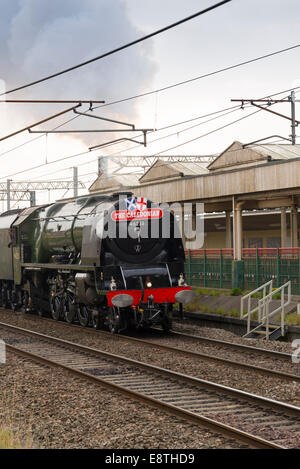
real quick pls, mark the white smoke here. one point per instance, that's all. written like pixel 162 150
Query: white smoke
pixel 39 37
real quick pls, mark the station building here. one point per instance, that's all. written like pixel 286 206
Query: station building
pixel 249 193
pixel 251 196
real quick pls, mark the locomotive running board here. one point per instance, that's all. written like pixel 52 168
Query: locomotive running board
pixel 34 266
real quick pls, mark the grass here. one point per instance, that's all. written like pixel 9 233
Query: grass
pixel 8 439
pixel 233 292
pixel 196 305
pixel 257 295
pixel 209 292
pixel 233 312
pixel 276 296
pixel 214 292
pixel 15 433
pixel 293 319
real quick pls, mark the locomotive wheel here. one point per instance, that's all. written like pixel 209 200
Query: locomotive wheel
pixel 83 315
pixel 5 303
pixel 166 320
pixel 114 320
pixel 166 324
pixel 25 303
pixel 96 321
pixel 69 310
pixel 56 307
pixel 40 311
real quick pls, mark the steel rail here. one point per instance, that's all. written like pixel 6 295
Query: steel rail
pixel 250 348
pixel 198 355
pixel 200 420
pixel 201 355
pixel 253 398
pixel 226 361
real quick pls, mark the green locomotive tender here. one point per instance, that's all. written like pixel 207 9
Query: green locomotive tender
pixel 56 261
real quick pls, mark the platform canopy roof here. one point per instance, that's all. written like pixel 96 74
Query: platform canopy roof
pixel 161 170
pixel 105 182
pixel 239 155
pixel 261 177
pixel 278 151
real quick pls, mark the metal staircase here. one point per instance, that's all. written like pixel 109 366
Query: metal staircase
pixel 265 313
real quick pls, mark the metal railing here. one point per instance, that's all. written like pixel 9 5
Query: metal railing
pixel 262 308
pixel 265 314
pixel 263 288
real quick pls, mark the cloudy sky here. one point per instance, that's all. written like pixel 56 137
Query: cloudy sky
pixel 38 38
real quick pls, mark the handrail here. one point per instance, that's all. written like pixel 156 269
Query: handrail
pixel 264 306
pixel 249 296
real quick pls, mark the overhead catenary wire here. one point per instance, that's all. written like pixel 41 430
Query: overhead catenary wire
pixel 206 134
pixel 86 152
pixel 153 155
pixel 111 176
pixel 180 83
pixel 187 128
pixel 120 48
pixel 156 154
pixel 177 124
pixel 137 173
pixel 170 87
pixel 77 116
pixel 169 135
pixel 107 177
pixel 236 107
pixel 201 136
pixel 135 146
pixel 36 138
pixel 199 77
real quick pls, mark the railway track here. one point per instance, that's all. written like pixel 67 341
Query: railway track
pixel 281 358
pixel 272 357
pixel 275 366
pixel 256 421
pixel 233 345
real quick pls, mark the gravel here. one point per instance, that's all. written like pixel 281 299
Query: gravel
pixel 193 327
pixel 56 410
pixel 250 381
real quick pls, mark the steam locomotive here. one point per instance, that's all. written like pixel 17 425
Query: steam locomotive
pixel 103 261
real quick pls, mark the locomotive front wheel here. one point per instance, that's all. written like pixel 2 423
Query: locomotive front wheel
pixel 83 315
pixel 114 320
pixel 96 321
pixel 56 308
pixel 166 320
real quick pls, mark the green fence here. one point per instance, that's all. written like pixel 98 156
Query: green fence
pixel 213 268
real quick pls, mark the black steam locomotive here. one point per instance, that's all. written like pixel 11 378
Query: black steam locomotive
pixel 107 261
